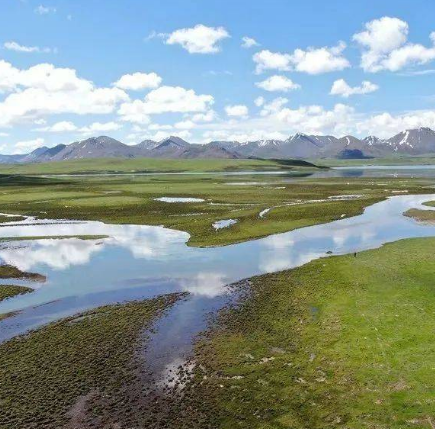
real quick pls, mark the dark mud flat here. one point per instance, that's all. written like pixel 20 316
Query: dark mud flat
pixel 80 372
pixel 170 362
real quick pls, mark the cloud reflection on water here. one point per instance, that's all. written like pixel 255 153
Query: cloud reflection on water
pixel 142 241
pixel 158 260
pixel 206 284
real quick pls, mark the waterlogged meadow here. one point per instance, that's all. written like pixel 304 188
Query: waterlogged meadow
pixel 262 204
pixel 124 280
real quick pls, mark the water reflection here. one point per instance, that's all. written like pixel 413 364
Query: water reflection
pixel 142 261
pixel 57 254
pixel 386 171
pixel 206 284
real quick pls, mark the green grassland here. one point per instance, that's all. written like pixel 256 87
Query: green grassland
pixel 8 291
pixel 343 342
pixel 79 372
pixel 131 199
pixel 150 165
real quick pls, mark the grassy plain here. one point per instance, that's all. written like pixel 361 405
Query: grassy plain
pixel 293 202
pixel 150 165
pixel 342 342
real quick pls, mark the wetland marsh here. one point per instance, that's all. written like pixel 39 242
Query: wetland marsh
pixel 108 246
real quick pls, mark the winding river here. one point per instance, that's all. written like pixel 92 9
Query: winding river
pixel 136 262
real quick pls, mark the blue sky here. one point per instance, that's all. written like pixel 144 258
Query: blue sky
pixel 138 69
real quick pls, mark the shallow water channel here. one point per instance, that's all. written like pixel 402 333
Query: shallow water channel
pixel 144 261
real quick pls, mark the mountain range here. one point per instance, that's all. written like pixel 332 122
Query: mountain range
pixel 419 141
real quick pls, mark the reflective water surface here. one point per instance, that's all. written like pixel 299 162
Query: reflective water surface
pixel 424 170
pixel 386 171
pixel 144 261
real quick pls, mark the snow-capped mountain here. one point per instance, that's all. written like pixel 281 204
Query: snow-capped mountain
pixel 416 141
pixel 419 141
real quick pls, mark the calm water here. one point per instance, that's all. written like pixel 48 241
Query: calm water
pixel 409 171
pixel 386 171
pixel 145 261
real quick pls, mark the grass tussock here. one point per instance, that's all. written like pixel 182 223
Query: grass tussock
pixel 77 372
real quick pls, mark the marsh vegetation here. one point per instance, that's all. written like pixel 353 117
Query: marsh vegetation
pixel 344 341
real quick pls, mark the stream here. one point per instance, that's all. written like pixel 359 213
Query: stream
pixel 139 261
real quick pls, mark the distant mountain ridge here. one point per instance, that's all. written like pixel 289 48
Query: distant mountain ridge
pixel 419 141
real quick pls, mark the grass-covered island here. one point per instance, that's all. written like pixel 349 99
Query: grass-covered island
pixel 426 216
pixel 8 291
pixel 11 272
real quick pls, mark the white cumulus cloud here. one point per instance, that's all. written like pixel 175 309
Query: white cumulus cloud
pixel 249 42
pixel 259 101
pixel 341 87
pixel 278 83
pixel 138 81
pixel 273 106
pixel 316 119
pixel 27 146
pixel 204 117
pixel 199 39
pixel 99 127
pixel 166 99
pixel 184 125
pixel 385 124
pixel 58 127
pixel 312 60
pixel 238 110
pixel 161 135
pixel 386 47
pixel 68 126
pixel 322 60
pixel 267 60
pixel 47 90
